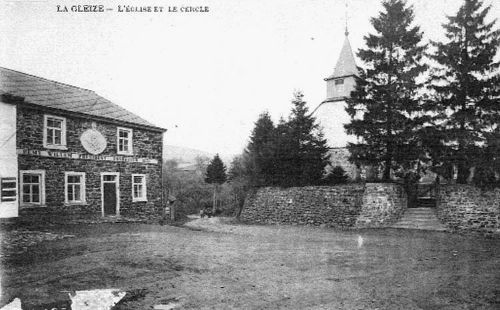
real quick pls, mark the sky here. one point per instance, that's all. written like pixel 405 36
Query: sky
pixel 203 76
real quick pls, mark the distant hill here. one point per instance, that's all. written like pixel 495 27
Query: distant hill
pixel 183 154
pixel 187 155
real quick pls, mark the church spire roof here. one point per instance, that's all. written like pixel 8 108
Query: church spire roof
pixel 346 65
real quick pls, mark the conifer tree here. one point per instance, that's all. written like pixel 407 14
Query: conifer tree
pixel 466 84
pixel 293 153
pixel 259 154
pixel 336 176
pixel 216 175
pixel 301 154
pixel 385 107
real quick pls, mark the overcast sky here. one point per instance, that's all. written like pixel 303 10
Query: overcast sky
pixel 203 76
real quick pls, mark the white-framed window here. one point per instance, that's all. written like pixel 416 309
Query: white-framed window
pixel 8 189
pixel 54 132
pixel 74 187
pixel 139 192
pixel 32 187
pixel 124 141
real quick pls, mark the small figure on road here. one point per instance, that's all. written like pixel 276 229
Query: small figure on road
pixel 206 211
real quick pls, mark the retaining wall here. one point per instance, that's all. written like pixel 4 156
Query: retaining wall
pixel 467 208
pixel 383 204
pixel 341 206
pixel 337 206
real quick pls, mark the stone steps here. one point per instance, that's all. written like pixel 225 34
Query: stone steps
pixel 420 218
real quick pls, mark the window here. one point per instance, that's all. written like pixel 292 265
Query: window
pixel 139 187
pixel 74 190
pixel 8 189
pixel 109 178
pixel 124 143
pixel 339 84
pixel 54 132
pixel 32 187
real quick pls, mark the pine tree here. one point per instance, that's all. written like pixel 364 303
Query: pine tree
pixel 336 176
pixel 466 88
pixel 293 153
pixel 300 148
pixel 386 95
pixel 216 175
pixel 259 154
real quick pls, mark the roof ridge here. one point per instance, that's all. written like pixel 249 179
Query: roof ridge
pixel 49 80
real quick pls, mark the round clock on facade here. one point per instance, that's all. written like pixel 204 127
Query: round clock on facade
pixel 93 141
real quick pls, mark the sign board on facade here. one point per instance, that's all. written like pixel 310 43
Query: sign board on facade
pixel 68 155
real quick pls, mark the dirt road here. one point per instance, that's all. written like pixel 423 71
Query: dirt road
pixel 217 265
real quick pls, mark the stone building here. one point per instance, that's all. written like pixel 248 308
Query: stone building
pixel 331 113
pixel 67 152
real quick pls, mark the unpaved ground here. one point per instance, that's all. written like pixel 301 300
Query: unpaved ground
pixel 219 265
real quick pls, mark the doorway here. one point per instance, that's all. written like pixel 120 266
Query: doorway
pixel 110 193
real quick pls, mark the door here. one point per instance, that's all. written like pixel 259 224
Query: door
pixel 110 195
pixel 109 199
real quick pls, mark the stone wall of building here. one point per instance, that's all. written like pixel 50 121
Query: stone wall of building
pixel 336 206
pixel 339 156
pixel 54 187
pixel 383 204
pixel 146 144
pixel 467 208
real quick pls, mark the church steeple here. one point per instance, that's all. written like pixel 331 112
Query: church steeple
pixel 331 113
pixel 340 84
pixel 346 65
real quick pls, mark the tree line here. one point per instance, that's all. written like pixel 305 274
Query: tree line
pixel 416 106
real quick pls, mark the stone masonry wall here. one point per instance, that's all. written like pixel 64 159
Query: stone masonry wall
pixel 383 204
pixel 335 206
pixel 467 208
pixel 341 206
pixel 340 157
pixel 146 144
pixel 55 207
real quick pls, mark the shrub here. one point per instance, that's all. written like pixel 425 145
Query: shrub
pixel 336 176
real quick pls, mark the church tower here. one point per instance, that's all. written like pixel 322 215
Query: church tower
pixel 331 113
pixel 340 84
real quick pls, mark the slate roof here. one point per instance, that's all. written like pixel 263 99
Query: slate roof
pixel 346 65
pixel 52 94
